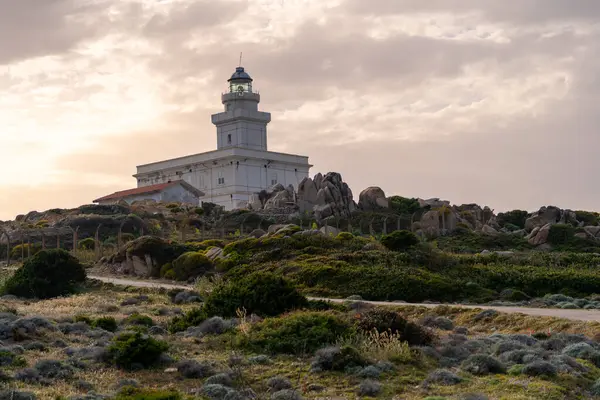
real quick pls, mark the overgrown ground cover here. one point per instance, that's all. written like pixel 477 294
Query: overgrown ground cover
pixel 348 265
pixel 64 348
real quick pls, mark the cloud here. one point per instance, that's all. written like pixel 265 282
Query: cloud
pixel 473 101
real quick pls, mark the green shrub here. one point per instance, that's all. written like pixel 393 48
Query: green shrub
pixel 561 234
pixel 193 317
pixel 138 319
pixel 381 320
pixel 399 240
pixel 199 211
pixel 191 265
pixel 132 350
pixel 165 269
pixel 106 323
pixel 83 318
pixel 344 236
pixel 338 359
pixel 588 218
pixel 264 294
pixel 133 393
pixel 86 244
pixel 515 217
pixel 25 249
pixel 50 273
pixel 404 206
pixel 170 274
pixel 296 333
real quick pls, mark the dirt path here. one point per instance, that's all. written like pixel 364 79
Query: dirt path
pixel 577 315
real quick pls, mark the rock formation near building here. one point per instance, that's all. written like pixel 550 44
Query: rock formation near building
pixel 323 196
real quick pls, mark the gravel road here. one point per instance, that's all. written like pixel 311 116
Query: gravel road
pixel 577 315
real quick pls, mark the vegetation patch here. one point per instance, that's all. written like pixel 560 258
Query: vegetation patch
pixel 50 273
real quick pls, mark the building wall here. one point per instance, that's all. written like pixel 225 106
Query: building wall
pixel 241 177
pixel 179 194
pixel 242 133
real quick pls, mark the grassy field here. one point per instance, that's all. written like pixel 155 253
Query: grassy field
pixel 404 380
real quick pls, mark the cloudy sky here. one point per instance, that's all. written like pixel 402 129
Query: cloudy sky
pixel 474 101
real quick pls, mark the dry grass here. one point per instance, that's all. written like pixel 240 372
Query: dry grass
pixel 404 383
pixel 380 346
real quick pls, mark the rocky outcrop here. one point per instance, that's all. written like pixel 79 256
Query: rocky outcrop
pixel 549 215
pixel 539 235
pixel 326 196
pixel 372 199
pixel 142 257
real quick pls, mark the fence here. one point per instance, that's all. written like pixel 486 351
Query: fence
pixel 18 244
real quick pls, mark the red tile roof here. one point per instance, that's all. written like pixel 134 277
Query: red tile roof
pixel 147 189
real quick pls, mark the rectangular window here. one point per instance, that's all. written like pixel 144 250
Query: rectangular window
pixel 229 139
pixel 221 181
pixel 274 179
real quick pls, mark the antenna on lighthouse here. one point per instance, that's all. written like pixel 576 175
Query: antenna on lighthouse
pixel 240 59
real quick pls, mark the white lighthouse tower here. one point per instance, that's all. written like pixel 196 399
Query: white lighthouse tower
pixel 242 164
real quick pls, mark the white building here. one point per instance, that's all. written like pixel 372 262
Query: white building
pixel 241 165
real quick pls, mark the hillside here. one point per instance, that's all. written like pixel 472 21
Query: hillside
pixel 248 331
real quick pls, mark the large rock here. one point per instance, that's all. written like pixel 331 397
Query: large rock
pixel 326 196
pixel 143 256
pixel 280 199
pixel 488 230
pixel 372 199
pixel 549 215
pixel 592 231
pixel 545 216
pixel 430 223
pixel 541 235
pixel 307 191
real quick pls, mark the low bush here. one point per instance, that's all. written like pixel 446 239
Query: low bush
pixel 264 294
pixel 482 364
pixel 106 323
pixel 297 333
pixel 381 320
pixel 138 319
pixel 399 240
pixel 86 244
pixel 191 265
pixel 337 358
pixel 133 393
pixel 193 317
pixel 540 368
pixel 48 274
pixel 133 350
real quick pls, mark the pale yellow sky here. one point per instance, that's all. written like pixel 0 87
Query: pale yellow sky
pixel 463 100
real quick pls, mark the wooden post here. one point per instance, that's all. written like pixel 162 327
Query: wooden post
pixel 2 234
pixel 398 224
pixel 371 230
pixel 97 243
pixel 28 245
pixel 75 238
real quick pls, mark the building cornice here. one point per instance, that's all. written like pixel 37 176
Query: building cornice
pixel 216 156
